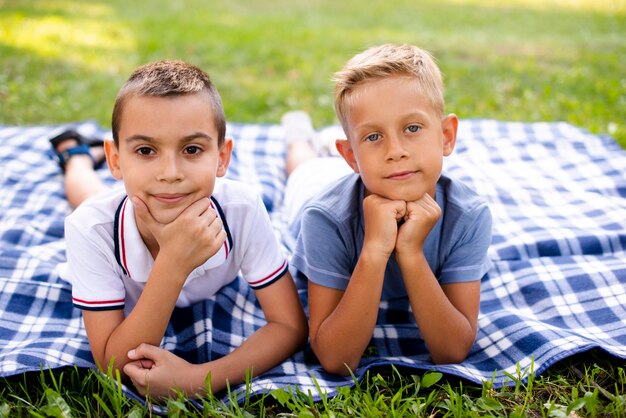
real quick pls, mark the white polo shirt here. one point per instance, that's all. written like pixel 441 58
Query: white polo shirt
pixel 109 264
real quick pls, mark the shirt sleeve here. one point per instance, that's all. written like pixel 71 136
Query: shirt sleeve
pixel 263 261
pixel 96 282
pixel 468 258
pixel 323 252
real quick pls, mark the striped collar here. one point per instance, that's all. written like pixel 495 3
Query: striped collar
pixel 134 257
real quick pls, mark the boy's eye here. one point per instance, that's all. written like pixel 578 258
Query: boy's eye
pixel 192 149
pixel 144 151
pixel 372 137
pixel 413 128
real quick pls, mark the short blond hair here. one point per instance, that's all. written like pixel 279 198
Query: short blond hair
pixel 384 61
pixel 169 78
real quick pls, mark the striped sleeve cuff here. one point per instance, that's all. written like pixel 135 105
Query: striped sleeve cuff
pixel 271 278
pixel 100 305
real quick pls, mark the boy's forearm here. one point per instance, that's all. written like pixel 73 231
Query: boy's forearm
pixel 148 320
pixel 448 334
pixel 343 336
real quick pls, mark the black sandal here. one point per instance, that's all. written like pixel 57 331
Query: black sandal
pixel 83 147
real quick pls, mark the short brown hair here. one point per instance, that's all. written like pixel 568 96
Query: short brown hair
pixel 384 61
pixel 169 78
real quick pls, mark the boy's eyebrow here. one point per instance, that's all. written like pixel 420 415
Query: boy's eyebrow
pixel 417 114
pixel 196 135
pixel 186 138
pixel 142 138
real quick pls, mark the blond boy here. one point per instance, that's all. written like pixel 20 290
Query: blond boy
pixel 396 227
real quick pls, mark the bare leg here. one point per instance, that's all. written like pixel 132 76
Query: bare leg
pixel 81 180
pixel 297 153
pixel 300 137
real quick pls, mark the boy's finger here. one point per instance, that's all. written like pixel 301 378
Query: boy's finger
pixel 146 352
pixel 214 222
pixel 138 376
pixel 146 363
pixel 199 207
pixel 428 203
pixel 139 361
pixel 134 371
pixel 398 207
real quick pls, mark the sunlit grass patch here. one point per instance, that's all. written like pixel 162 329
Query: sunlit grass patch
pixel 78 33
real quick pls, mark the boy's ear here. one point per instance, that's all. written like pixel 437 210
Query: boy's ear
pixel 449 126
pixel 224 157
pixel 346 151
pixel 113 159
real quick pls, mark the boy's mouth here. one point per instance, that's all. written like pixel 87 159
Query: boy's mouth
pixel 401 175
pixel 169 198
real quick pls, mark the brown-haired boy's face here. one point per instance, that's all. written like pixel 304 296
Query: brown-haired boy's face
pixel 396 139
pixel 168 152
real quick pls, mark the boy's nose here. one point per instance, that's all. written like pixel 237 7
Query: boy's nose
pixel 169 169
pixel 395 148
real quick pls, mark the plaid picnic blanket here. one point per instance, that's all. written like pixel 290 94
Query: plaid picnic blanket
pixel 557 286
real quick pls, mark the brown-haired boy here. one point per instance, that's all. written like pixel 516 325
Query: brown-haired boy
pixel 173 236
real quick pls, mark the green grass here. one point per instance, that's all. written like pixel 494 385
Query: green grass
pixel 532 60
pixel 522 60
pixel 588 385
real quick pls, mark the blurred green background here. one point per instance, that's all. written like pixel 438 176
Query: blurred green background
pixel 532 60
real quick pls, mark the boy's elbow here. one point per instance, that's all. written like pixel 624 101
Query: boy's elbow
pixel 338 368
pixel 454 355
pixel 449 358
pixel 335 365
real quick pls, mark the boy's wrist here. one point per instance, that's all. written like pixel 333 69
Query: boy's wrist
pixel 410 255
pixel 196 382
pixel 374 255
pixel 168 267
pixel 408 261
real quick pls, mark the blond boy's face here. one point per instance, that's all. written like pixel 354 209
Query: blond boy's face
pixel 168 153
pixel 396 139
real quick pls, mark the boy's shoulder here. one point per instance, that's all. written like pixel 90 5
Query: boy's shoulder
pixel 341 198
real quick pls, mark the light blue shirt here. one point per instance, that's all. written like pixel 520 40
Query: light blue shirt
pixel 329 236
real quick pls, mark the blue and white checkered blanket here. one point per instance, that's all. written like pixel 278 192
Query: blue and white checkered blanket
pixel 557 287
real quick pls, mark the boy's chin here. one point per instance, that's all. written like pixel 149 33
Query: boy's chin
pixel 405 196
pixel 165 217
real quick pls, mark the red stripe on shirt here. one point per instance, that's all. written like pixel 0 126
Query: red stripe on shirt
pixel 269 275
pixel 101 302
